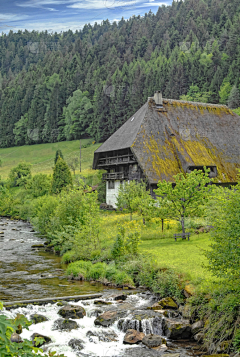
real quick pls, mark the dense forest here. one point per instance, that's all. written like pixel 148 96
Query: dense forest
pixel 69 85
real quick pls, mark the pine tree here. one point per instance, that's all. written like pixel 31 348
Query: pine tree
pixel 57 155
pixel 61 176
pixel 234 98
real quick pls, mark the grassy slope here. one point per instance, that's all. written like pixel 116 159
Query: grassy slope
pixel 41 156
pixel 186 257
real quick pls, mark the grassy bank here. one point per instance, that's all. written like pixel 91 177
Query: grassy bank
pixel 41 156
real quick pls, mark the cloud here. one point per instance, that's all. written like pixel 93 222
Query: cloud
pixel 153 3
pixel 101 4
pixel 12 17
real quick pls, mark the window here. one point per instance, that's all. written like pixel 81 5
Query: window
pixel 111 185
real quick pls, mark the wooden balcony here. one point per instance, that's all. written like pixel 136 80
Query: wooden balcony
pixel 116 160
pixel 115 176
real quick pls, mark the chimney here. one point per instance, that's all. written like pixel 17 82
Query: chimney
pixel 158 98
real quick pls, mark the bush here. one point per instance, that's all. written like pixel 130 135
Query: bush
pixel 79 267
pixel 167 283
pixel 20 175
pixel 97 271
pixel 61 176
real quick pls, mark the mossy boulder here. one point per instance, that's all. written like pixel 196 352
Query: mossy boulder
pixel 64 325
pixel 106 319
pixel 186 311
pixel 72 312
pixel 143 315
pixel 168 303
pixel 37 318
pixel 152 340
pixel 102 302
pixel 45 339
pixel 197 326
pixel 189 290
pixel 76 344
pixel 133 337
pixel 177 330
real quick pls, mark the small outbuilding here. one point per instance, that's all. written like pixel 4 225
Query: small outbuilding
pixel 165 137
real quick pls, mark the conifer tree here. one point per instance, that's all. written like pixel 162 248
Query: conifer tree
pixel 61 176
pixel 234 98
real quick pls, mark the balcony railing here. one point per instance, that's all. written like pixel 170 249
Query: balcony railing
pixel 124 159
pixel 115 176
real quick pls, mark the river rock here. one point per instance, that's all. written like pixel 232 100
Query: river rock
pixel 177 330
pixel 15 337
pixel 104 336
pixel 133 337
pixel 119 297
pixel 72 311
pixel 76 344
pixel 152 340
pixel 197 326
pixel 186 311
pixel 199 337
pixel 102 302
pixel 95 313
pixel 64 325
pixel 106 319
pixel 37 318
pixel 168 303
pixel 46 339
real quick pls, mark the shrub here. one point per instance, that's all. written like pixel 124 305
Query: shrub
pixel 61 176
pixel 20 175
pixel 167 283
pixel 97 271
pixel 79 267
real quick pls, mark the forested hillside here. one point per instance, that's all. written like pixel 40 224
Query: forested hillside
pixel 57 87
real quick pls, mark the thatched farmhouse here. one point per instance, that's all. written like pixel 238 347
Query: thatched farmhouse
pixel 165 137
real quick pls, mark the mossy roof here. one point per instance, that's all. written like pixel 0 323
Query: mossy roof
pixel 168 140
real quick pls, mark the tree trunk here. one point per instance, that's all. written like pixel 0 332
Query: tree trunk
pixel 182 221
pixel 162 223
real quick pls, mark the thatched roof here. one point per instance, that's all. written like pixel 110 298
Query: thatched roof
pixel 179 135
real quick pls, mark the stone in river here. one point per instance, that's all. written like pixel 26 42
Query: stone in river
pixel 106 319
pixel 133 337
pixel 37 318
pixel 76 344
pixel 64 325
pixel 177 330
pixel 168 303
pixel 72 311
pixel 102 302
pixel 152 340
pixel 45 338
pixel 16 338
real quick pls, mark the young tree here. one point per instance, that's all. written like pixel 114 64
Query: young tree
pixel 73 164
pixel 234 98
pixel 61 176
pixel 186 197
pixel 57 155
pixel 20 175
pixel 224 257
pixel 129 196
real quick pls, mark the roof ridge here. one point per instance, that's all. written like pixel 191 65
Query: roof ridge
pixel 195 103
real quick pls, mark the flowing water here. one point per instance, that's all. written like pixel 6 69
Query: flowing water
pixel 28 272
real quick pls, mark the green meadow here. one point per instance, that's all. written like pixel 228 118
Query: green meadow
pixel 41 156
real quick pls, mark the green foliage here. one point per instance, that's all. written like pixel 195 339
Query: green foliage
pixel 130 196
pixel 57 155
pixel 224 92
pixel 77 114
pixel 224 257
pixel 41 212
pixel 127 240
pixel 167 283
pixel 61 176
pixel 99 271
pixel 195 95
pixel 220 312
pixel 73 163
pixel 237 111
pixel 39 185
pixel 234 98
pixel 20 175
pixel 187 196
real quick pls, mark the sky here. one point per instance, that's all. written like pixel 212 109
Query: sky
pixel 62 15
